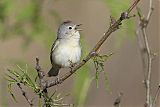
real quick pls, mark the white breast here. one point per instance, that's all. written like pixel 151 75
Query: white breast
pixel 66 52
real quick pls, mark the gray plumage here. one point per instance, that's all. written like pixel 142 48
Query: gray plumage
pixel 66 48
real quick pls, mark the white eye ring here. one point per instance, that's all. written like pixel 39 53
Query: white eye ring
pixel 70 27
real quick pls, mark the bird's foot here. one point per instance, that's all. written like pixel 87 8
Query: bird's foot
pixel 72 64
pixel 58 80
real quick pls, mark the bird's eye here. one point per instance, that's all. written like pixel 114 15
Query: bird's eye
pixel 70 28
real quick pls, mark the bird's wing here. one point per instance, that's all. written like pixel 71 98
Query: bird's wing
pixel 56 42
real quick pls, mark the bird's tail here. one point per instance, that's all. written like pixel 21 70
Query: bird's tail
pixel 53 71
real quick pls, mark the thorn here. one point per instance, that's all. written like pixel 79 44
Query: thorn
pixel 154 54
pixel 113 20
pixel 131 16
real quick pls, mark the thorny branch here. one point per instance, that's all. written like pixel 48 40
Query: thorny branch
pixel 145 50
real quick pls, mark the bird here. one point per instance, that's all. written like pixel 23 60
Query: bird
pixel 66 49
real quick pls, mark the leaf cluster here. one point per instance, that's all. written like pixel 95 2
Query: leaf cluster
pixel 99 61
pixel 21 77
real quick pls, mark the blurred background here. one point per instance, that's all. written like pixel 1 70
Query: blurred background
pixel 28 29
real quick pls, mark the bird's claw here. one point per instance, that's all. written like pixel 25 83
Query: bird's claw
pixel 72 64
pixel 58 80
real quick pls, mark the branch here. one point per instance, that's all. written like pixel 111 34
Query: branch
pixel 111 29
pixel 156 96
pixel 149 64
pixel 145 50
pixel 25 96
pixel 48 102
pixel 42 82
pixel 150 10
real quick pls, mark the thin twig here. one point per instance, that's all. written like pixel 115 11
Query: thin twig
pixel 60 105
pixel 149 64
pixel 132 6
pixel 41 75
pixel 25 96
pixel 40 72
pixel 146 50
pixel 149 57
pixel 112 28
pixel 156 96
pixel 150 10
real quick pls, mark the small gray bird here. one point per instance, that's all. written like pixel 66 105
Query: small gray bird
pixel 66 48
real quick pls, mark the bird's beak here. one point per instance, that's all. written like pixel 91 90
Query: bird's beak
pixel 77 27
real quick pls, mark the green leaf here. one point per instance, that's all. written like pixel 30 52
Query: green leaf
pixel 10 79
pixel 13 72
pixel 97 79
pixel 31 70
pixel 99 66
pixel 10 91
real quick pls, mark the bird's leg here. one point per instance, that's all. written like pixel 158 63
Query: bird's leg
pixel 58 80
pixel 71 64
